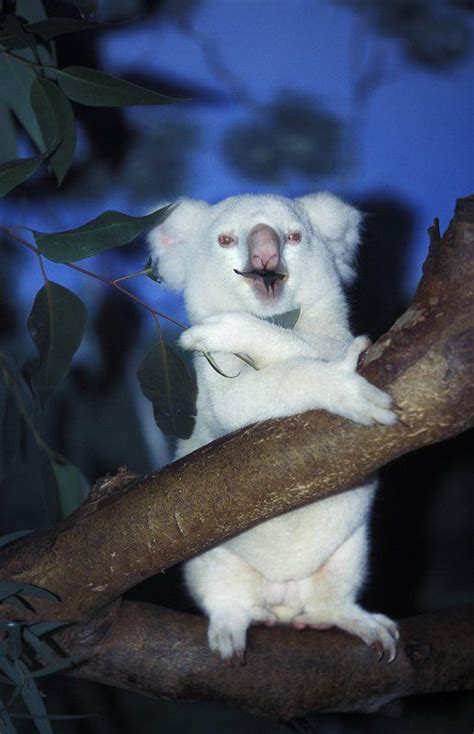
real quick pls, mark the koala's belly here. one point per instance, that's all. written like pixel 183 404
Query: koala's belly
pixel 296 544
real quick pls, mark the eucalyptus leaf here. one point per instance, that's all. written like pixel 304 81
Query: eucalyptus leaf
pixel 32 698
pixel 14 641
pixel 45 113
pixel 57 123
pixel 42 628
pixel 13 26
pixel 11 42
pixel 8 136
pixel 10 419
pixel 215 366
pixel 169 384
pixel 18 588
pixel 149 272
pixel 16 79
pixel 31 10
pixel 72 486
pixel 45 653
pixel 110 229
pixel 54 27
pixel 56 667
pixel 97 89
pixel 13 173
pixel 56 324
pixel 6 724
pixel 286 320
pixel 7 539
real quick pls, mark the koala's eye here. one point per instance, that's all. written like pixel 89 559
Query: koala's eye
pixel 294 237
pixel 225 240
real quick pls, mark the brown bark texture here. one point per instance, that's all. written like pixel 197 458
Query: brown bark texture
pixel 133 527
pixel 288 672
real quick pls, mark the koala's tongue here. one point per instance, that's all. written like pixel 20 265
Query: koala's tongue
pixel 268 277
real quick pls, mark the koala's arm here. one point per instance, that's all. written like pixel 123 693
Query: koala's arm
pixel 236 332
pixel 295 386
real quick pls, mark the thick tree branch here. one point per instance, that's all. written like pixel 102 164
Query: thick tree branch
pixel 123 536
pixel 289 673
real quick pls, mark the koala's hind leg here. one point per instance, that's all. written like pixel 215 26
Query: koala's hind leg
pixel 230 591
pixel 329 596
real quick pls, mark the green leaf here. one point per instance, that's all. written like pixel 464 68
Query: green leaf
pixel 73 487
pixel 286 320
pixel 56 667
pixel 215 366
pixel 149 272
pixel 6 724
pixel 11 42
pixel 13 173
pixel 42 628
pixel 14 641
pixel 53 27
pixel 56 324
pixel 110 229
pixel 15 86
pixel 45 114
pixel 31 10
pixel 18 588
pixel 57 123
pixel 6 539
pixel 17 77
pixel 32 698
pixel 169 384
pixel 45 654
pixel 13 26
pixel 12 388
pixel 98 89
pixel 8 136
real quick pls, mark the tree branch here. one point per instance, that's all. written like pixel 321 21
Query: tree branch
pixel 289 673
pixel 132 528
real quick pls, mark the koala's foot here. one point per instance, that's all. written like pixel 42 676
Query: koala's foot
pixel 227 632
pixel 354 397
pixel 376 630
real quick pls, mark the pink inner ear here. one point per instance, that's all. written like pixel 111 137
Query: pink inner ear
pixel 166 240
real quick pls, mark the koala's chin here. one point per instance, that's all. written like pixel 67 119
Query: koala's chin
pixel 260 255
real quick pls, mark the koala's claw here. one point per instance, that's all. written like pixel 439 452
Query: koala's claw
pixel 377 631
pixel 227 634
pixel 360 400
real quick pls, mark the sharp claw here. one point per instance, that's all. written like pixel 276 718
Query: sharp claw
pixel 378 648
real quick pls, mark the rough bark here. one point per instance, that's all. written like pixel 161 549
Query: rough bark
pixel 134 527
pixel 289 673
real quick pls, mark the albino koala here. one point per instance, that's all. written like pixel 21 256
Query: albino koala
pixel 238 262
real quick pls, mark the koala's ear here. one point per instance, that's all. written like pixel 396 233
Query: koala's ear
pixel 339 224
pixel 171 241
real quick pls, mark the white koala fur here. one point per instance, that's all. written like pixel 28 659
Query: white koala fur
pixel 306 567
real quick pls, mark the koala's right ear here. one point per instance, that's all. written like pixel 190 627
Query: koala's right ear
pixel 171 241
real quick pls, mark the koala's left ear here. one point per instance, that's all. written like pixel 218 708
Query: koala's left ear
pixel 339 224
pixel 171 242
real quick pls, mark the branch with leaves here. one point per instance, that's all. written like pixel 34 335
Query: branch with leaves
pixel 138 526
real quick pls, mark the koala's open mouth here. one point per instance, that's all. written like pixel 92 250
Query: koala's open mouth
pixel 267 282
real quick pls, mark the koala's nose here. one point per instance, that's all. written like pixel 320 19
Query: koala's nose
pixel 264 247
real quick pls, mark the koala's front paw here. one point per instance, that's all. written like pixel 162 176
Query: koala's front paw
pixel 357 399
pixel 225 332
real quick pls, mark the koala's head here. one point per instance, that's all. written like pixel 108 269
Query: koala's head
pixel 262 254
